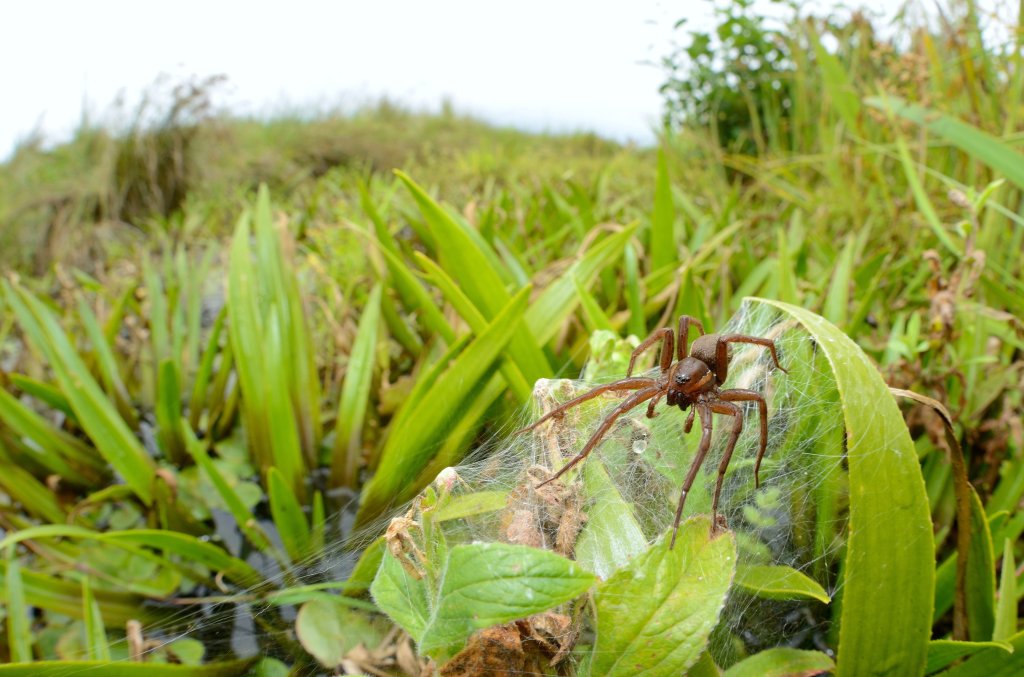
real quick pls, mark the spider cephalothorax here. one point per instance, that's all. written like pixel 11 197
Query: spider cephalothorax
pixel 693 380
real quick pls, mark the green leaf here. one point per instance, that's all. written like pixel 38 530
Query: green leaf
pixel 980 145
pixel 328 630
pixel 96 414
pixel 779 582
pixel 663 238
pixel 410 447
pixel 125 669
pixel 65 597
pixel 512 369
pixel 355 394
pixel 993 662
pixel 655 615
pixel 95 634
pixel 487 584
pixel 885 620
pixel 19 635
pixel 288 517
pixel 944 652
pixel 782 662
pixel 402 597
pixel 1006 610
pixel 980 575
pixel 168 412
pixel 55 449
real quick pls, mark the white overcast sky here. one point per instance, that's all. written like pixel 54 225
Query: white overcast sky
pixel 557 64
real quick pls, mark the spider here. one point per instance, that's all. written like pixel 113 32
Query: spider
pixel 692 380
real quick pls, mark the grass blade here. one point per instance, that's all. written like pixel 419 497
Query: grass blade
pixel 885 617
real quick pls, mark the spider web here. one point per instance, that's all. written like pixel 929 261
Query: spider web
pixel 630 483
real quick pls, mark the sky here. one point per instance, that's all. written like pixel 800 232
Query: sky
pixel 554 65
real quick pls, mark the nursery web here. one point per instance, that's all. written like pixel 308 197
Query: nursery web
pixel 625 492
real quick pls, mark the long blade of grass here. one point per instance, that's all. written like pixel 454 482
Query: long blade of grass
pixel 663 238
pixel 355 394
pixel 885 617
pixel 19 637
pixel 95 634
pixel 286 511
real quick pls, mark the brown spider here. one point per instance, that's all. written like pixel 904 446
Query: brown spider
pixel 693 379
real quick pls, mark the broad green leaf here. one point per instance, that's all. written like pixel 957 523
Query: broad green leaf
pixel 402 597
pixel 410 447
pixel 944 652
pixel 782 662
pixel 655 615
pixel 885 619
pixel 288 517
pixel 328 630
pixel 235 668
pixel 355 394
pixel 993 662
pixel 779 582
pixel 980 145
pixel 1006 609
pixel 487 584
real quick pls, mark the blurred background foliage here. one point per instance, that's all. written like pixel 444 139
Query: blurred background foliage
pixel 205 381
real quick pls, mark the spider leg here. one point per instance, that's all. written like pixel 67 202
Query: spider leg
pixel 751 396
pixel 682 350
pixel 650 407
pixel 722 352
pixel 629 403
pixel 667 342
pixel 698 459
pixel 688 426
pixel 624 384
pixel 737 427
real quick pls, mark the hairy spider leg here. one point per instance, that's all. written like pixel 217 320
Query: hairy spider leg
pixel 667 343
pixel 698 460
pixel 739 395
pixel 630 402
pixel 650 407
pixel 722 352
pixel 683 348
pixel 623 384
pixel 688 426
pixel 728 409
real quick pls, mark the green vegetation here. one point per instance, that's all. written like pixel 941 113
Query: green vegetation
pixel 232 349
